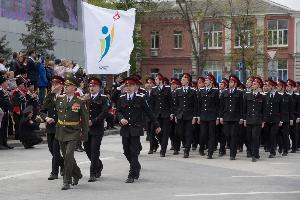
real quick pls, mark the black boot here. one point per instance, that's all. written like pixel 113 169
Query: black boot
pixel 186 153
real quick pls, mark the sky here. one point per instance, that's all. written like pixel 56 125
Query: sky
pixel 294 4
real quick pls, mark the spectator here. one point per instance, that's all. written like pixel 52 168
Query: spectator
pixel 59 69
pixel 15 65
pixel 42 80
pixel 32 68
pixel 50 72
pixel 11 81
pixel 2 66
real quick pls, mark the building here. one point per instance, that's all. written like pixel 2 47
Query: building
pixel 271 45
pixel 64 14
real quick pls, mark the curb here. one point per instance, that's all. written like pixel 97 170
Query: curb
pixel 42 133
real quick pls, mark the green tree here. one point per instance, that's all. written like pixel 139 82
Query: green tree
pixel 40 33
pixel 5 51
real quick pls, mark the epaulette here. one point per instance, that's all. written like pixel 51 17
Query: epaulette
pixel 103 95
pixel 123 95
pixel 167 86
pixel 281 93
pixel 154 87
pixel 142 88
pixel 263 93
pixel 214 88
pixel 178 88
pixel 193 89
pixel 248 92
pixel 61 95
pixel 140 95
pixel 296 93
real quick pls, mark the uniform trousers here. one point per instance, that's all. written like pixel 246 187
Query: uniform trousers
pixel 253 136
pixel 131 148
pixel 183 133
pixel 163 136
pixel 231 132
pixel 92 150
pixel 57 160
pixel 208 133
pixel 271 129
pixel 284 141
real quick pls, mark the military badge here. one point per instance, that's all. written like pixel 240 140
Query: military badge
pixel 75 107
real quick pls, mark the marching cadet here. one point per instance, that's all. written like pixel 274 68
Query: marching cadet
pixel 150 83
pixel 161 104
pixel 6 107
pixel 175 83
pixel 293 131
pixel 286 119
pixel 72 125
pixel 265 131
pixel 271 117
pixel 50 116
pixel 220 134
pixel 231 113
pixel 98 109
pixel 130 109
pixel 185 113
pixel 19 103
pixel 208 111
pixel 253 118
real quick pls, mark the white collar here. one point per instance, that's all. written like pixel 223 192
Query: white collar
pixel 94 95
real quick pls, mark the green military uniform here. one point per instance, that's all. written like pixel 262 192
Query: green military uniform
pixel 72 125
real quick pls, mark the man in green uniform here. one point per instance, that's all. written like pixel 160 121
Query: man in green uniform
pixel 72 126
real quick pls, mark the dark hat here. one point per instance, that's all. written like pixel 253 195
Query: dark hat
pixel 234 78
pixel 188 76
pixel 58 79
pixel 225 81
pixel 259 81
pixel 201 78
pixel 94 81
pixel 175 81
pixel 291 83
pixel 28 109
pixel 130 81
pixel 281 83
pixel 70 79
pixel 150 79
pixel 2 79
pixel 160 76
pixel 20 80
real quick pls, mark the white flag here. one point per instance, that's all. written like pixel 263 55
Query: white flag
pixel 108 39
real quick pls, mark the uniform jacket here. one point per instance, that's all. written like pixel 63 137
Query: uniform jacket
pixel 185 104
pixel 287 107
pixel 161 101
pixel 208 104
pixel 133 110
pixel 231 105
pixel 272 108
pixel 254 108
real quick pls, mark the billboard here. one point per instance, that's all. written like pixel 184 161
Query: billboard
pixel 61 13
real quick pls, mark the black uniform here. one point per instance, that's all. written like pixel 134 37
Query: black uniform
pixel 294 132
pixel 220 134
pixel 208 110
pixel 132 110
pixel 254 115
pixel 272 119
pixel 161 104
pixel 98 110
pixel 49 110
pixel 6 107
pixel 231 110
pixel 185 110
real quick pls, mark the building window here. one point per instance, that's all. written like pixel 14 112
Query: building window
pixel 278 32
pixel 178 39
pixel 238 73
pixel 154 72
pixel 283 70
pixel 177 73
pixel 213 36
pixel 243 38
pixel 214 68
pixel 155 40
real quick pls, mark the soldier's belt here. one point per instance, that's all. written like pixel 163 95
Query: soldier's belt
pixel 68 123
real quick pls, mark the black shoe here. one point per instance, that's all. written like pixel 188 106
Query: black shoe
pixel 162 154
pixel 232 158
pixel 92 179
pixel 253 159
pixel 52 177
pixel 293 151
pixel 65 186
pixel 150 152
pixel 176 152
pixel 209 157
pixel 249 155
pixel 129 180
pixel 201 153
pixel 222 154
pixel 76 180
pixel 186 154
pixel 98 174
pixel 271 156
pixel 137 174
pixel 285 154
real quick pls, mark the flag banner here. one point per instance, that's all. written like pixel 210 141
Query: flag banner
pixel 108 39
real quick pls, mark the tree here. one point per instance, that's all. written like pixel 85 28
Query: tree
pixel 5 51
pixel 40 33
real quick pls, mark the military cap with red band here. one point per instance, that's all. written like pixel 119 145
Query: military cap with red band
pixel 281 83
pixel 58 79
pixel 259 81
pixel 160 76
pixel 234 78
pixel 291 83
pixel 271 82
pixel 175 81
pixel 225 81
pixel 131 80
pixel 211 78
pixel 94 81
